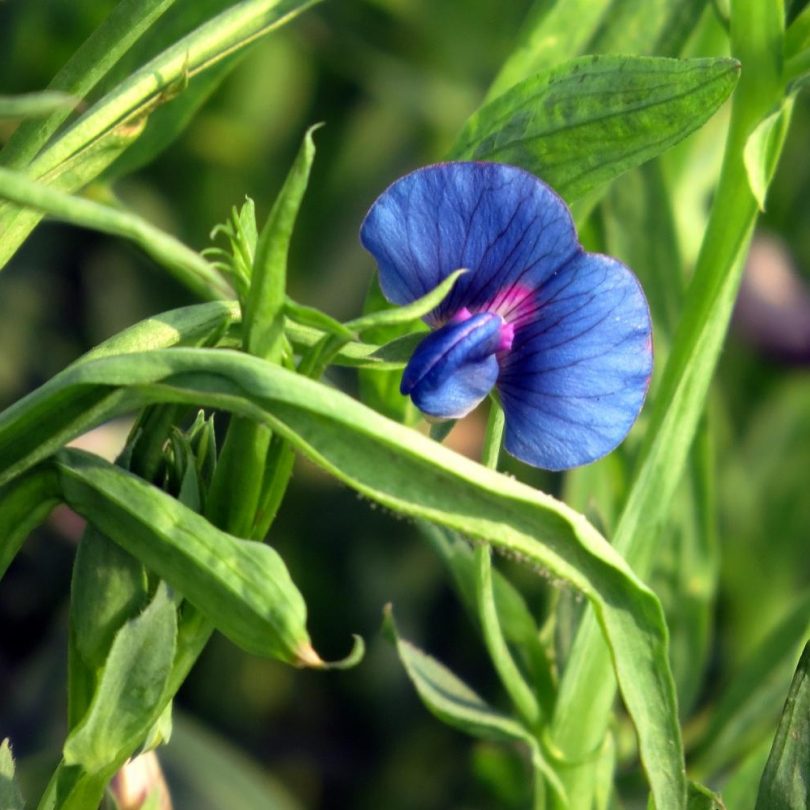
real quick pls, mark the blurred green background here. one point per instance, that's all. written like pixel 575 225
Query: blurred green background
pixel 393 80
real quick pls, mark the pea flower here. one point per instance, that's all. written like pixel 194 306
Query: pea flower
pixel 563 335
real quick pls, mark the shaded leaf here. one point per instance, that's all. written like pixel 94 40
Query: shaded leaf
pixel 24 503
pixel 131 687
pixel 450 699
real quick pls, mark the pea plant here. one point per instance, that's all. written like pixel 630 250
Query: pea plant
pixel 484 294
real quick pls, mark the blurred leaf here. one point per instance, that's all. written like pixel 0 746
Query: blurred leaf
pixel 242 587
pixel 207 773
pixel 581 124
pixel 763 147
pixel 786 781
pixel 388 463
pixel 128 105
pixel 88 65
pixel 640 231
pixel 562 29
pixel 130 689
pixel 740 789
pixel 24 503
pixel 701 798
pixel 10 797
pixel 35 105
pixel 108 587
pixel 748 707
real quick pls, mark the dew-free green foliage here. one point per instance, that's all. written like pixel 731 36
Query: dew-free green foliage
pixel 611 582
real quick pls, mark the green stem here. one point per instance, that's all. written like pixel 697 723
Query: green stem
pixel 494 435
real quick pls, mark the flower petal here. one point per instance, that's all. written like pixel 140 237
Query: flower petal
pixel 500 222
pixel 455 367
pixel 577 374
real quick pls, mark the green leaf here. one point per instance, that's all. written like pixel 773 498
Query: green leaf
pixel 751 701
pixel 586 693
pixel 581 124
pixel 763 147
pixel 24 503
pixel 450 699
pixel 403 471
pixel 263 322
pixel 88 65
pixel 10 797
pixel 380 388
pixel 71 175
pixel 786 781
pixel 242 587
pixel 130 689
pixel 35 105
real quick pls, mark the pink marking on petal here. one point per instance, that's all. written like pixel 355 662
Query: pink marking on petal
pixel 507 336
pixel 514 304
pixel 462 315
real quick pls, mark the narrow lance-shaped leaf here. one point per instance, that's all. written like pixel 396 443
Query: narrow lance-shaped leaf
pixel 581 124
pixel 24 504
pixel 408 473
pixel 263 311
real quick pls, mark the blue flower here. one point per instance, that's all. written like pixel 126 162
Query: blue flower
pixel 563 335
